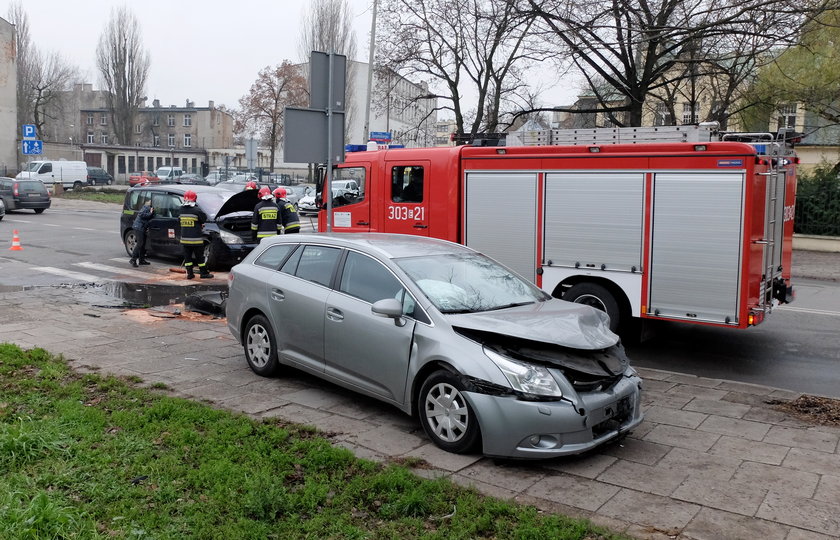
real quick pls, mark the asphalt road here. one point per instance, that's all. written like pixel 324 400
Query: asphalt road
pixel 797 347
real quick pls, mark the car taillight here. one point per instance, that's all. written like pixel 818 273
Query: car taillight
pixel 15 189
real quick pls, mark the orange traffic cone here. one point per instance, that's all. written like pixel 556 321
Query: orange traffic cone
pixel 15 242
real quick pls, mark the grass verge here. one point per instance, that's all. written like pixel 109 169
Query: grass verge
pixel 86 456
pixel 88 194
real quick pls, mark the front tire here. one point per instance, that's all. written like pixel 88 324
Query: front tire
pixel 597 296
pixel 39 210
pixel 77 185
pixel 260 347
pixel 130 242
pixel 211 255
pixel 447 418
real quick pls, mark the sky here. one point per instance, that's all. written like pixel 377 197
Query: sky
pixel 200 50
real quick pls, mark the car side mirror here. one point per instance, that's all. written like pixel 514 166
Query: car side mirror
pixel 389 307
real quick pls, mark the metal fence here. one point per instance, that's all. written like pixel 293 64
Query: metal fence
pixel 818 212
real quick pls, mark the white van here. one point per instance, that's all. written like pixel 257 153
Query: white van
pixel 70 174
pixel 169 174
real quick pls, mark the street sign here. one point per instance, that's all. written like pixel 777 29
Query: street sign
pixel 320 77
pixel 32 147
pixel 380 136
pixel 29 132
pixel 305 136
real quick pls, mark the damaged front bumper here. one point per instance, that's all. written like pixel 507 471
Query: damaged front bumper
pixel 516 428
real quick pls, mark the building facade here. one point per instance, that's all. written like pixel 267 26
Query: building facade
pixel 9 130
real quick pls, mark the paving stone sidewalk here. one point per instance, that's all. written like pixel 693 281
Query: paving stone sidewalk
pixel 712 460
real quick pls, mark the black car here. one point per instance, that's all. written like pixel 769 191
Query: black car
pixel 227 233
pixel 23 194
pixel 192 179
pixel 97 176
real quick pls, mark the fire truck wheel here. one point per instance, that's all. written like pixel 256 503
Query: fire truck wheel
pixel 597 296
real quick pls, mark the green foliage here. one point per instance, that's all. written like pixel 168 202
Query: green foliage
pixel 818 202
pixel 82 456
pixel 89 194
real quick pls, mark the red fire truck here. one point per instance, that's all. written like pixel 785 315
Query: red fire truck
pixel 626 221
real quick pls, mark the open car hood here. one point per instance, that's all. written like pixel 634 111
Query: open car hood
pixel 244 201
pixel 555 321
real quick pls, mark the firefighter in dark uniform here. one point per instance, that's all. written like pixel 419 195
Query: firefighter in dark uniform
pixel 192 240
pixel 266 219
pixel 288 212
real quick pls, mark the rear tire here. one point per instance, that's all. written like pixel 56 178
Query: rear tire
pixel 77 185
pixel 39 210
pixel 447 418
pixel 130 241
pixel 597 296
pixel 260 347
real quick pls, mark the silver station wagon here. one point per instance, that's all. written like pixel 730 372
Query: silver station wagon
pixel 486 360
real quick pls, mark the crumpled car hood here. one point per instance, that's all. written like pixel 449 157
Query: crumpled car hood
pixel 555 321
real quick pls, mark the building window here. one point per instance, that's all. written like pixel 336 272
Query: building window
pixel 690 116
pixel 90 137
pixel 787 116
pixel 138 128
pixel 156 141
pixel 155 120
pixel 104 138
pixel 662 116
pixel 170 120
pixel 103 119
pixel 187 120
pixel 171 139
pixel 187 140
pixel 90 119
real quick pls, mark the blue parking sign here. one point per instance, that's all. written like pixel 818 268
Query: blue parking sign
pixel 32 147
pixel 28 131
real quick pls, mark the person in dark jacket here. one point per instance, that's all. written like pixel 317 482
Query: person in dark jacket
pixel 141 227
pixel 192 220
pixel 266 219
pixel 288 213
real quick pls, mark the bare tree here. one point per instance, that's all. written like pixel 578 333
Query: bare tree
pixel 23 56
pixel 261 109
pixel 123 64
pixel 462 49
pixel 50 74
pixel 639 47
pixel 328 27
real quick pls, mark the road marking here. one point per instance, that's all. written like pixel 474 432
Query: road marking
pixel 50 225
pixel 808 310
pixel 17 220
pixel 83 229
pixel 114 269
pixel 68 273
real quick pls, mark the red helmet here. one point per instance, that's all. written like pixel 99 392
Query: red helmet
pixel 265 193
pixel 190 196
pixel 280 193
pixel 251 185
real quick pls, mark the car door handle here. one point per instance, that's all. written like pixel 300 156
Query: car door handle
pixel 420 226
pixel 277 294
pixel 365 223
pixel 334 314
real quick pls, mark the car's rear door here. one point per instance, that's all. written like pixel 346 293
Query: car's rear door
pixel 364 350
pixel 164 228
pixel 297 297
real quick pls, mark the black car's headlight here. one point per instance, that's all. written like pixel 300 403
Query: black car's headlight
pixel 230 238
pixel 525 377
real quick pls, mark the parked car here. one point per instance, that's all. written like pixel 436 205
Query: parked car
pixel 485 358
pixel 227 233
pixel 24 194
pixel 97 176
pixel 169 174
pixel 2 209
pixel 295 193
pixel 215 177
pixel 192 179
pixel 143 177
pixel 306 205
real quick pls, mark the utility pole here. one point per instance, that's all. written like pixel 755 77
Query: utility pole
pixel 372 48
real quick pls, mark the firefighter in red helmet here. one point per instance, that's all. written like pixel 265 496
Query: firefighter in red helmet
pixel 192 220
pixel 266 219
pixel 251 185
pixel 288 213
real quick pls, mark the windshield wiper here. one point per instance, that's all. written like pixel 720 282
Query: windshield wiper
pixel 514 304
pixel 456 311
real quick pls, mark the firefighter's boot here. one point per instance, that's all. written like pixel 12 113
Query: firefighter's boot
pixel 203 272
pixel 190 273
pixel 143 261
pixel 133 262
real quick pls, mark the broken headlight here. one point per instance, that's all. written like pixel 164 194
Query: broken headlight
pixel 229 237
pixel 525 377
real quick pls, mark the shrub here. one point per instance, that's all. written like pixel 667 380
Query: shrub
pixel 818 202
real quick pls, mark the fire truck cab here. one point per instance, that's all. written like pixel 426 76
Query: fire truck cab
pixel 698 231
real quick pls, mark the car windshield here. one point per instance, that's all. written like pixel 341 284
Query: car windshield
pixel 34 166
pixel 468 283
